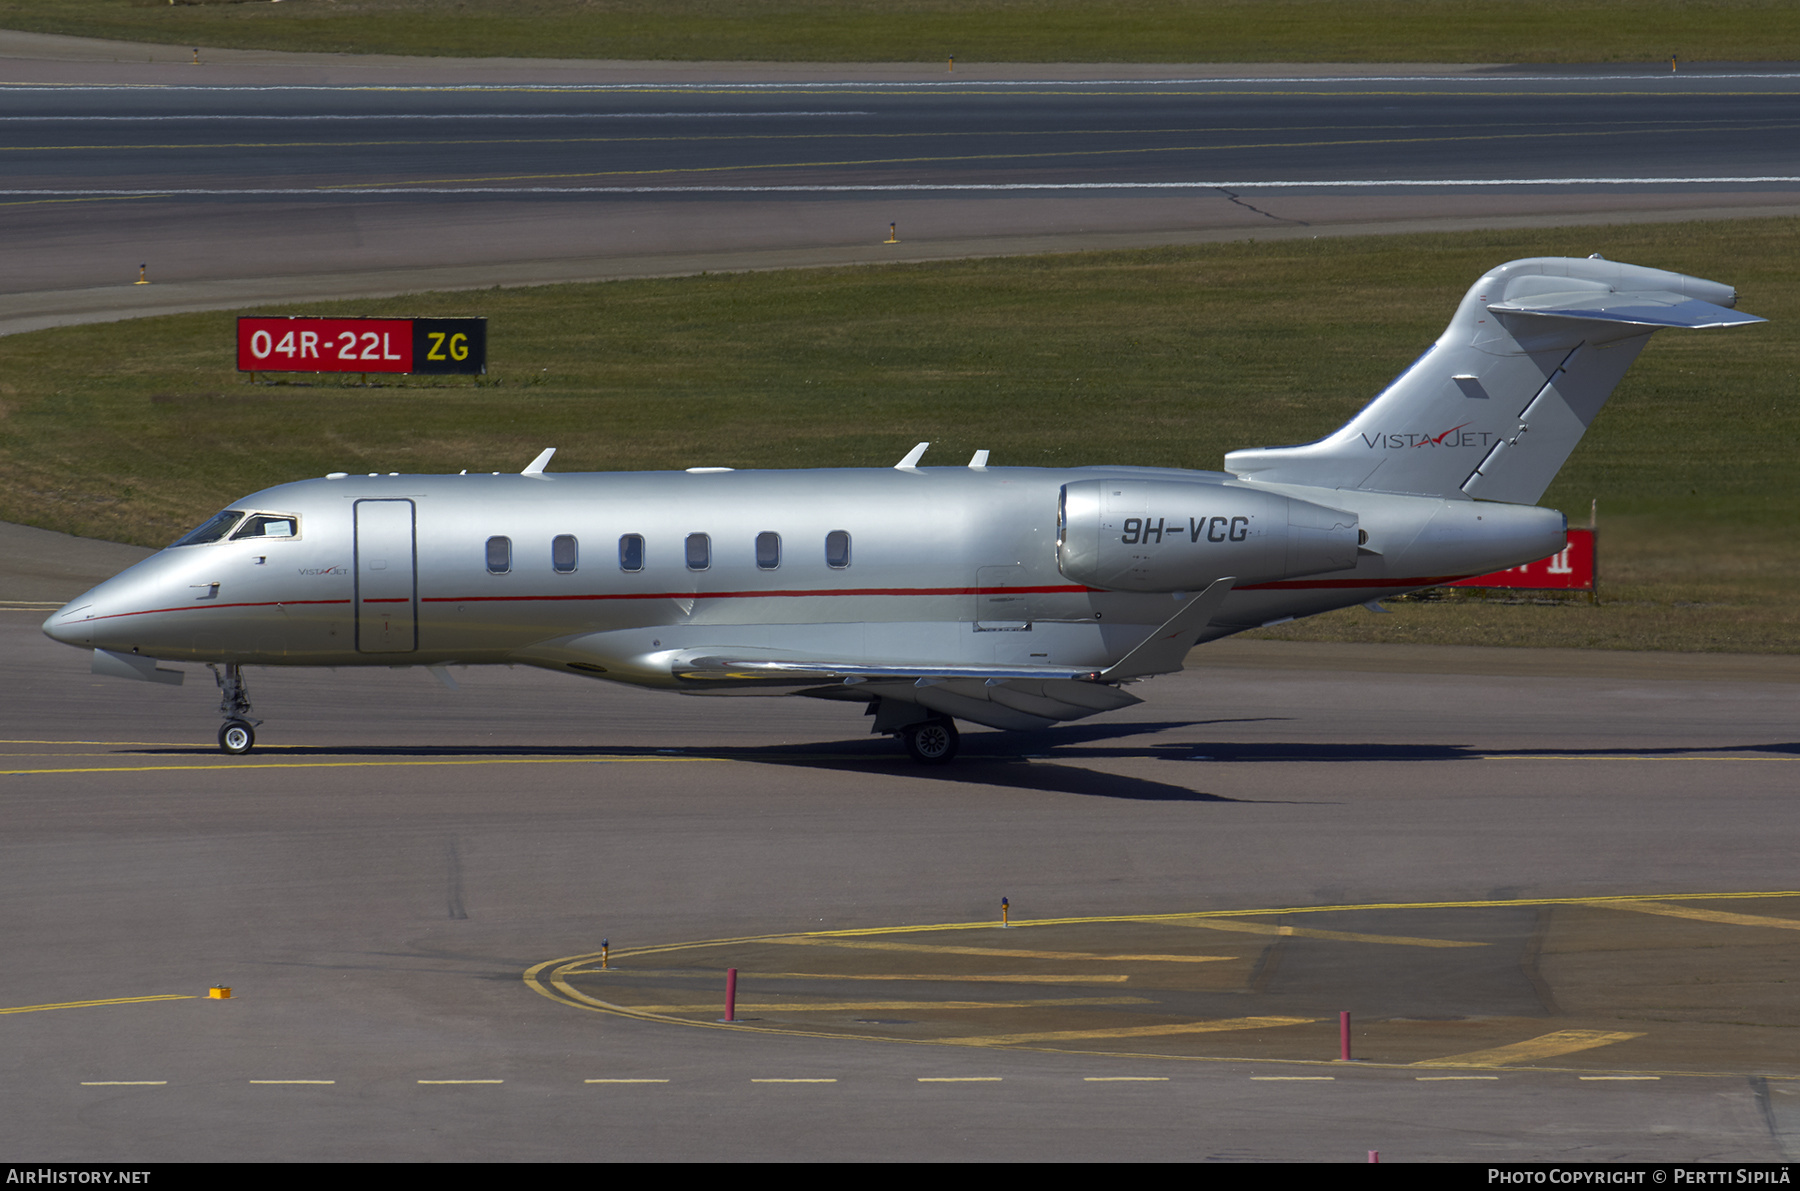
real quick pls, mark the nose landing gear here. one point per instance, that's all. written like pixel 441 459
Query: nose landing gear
pixel 237 735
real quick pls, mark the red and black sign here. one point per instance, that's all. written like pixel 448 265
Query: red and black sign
pixel 1571 569
pixel 411 345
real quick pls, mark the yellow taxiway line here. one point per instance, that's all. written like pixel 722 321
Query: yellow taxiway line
pixel 1545 1046
pixel 551 977
pixel 91 1004
pixel 227 765
pixel 998 952
pixel 1301 932
pixel 712 1007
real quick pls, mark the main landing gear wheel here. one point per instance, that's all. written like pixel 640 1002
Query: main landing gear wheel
pixel 237 737
pixel 932 742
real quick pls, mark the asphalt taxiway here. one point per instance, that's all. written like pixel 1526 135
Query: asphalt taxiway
pixel 1554 890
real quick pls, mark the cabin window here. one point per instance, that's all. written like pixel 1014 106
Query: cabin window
pixel 837 549
pixel 631 552
pixel 699 552
pixel 499 555
pixel 768 551
pixel 267 525
pixel 213 530
pixel 564 551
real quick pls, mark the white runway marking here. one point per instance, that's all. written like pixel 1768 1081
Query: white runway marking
pixel 359 191
pixel 1659 81
pixel 314 119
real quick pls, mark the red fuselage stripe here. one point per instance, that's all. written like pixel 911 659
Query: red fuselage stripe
pixel 1066 589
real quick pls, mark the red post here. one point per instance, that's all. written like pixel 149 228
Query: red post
pixel 1374 1156
pixel 731 995
pixel 1344 1036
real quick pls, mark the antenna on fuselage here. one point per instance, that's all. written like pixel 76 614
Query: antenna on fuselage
pixel 912 458
pixel 978 459
pixel 536 466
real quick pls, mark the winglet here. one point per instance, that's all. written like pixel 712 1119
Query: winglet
pixel 1162 651
pixel 912 458
pixel 536 466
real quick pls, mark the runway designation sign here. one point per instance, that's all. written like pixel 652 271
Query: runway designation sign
pixel 424 346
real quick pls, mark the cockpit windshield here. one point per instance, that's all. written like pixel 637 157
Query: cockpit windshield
pixel 212 530
pixel 268 525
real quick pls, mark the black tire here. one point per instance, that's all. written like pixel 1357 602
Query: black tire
pixel 933 742
pixel 236 737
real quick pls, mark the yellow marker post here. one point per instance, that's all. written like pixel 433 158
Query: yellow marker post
pixel 196 61
pixel 219 992
pixel 1673 59
pixel 1005 913
pixel 952 64
pixel 893 236
pixel 142 280
pixel 605 948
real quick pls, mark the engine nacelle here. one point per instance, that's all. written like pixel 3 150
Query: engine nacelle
pixel 1170 535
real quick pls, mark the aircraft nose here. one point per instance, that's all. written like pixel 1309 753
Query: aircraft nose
pixel 71 623
pixel 87 618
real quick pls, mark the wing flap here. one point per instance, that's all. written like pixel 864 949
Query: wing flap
pixel 716 667
pixel 1011 704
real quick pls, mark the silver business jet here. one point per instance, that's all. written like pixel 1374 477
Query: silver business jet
pixel 1009 597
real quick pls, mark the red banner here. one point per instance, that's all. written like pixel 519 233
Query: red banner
pixel 1572 569
pixel 325 345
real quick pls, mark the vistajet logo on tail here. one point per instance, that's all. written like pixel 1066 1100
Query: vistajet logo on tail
pixel 1456 436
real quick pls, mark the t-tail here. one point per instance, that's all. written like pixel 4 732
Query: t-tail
pixel 1493 410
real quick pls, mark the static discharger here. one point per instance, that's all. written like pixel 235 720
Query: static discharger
pixel 730 995
pixel 142 279
pixel 219 992
pixel 893 236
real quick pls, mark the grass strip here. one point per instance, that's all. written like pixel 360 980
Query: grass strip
pixel 1644 31
pixel 135 431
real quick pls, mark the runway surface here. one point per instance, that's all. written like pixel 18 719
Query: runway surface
pixel 1527 874
pixel 236 184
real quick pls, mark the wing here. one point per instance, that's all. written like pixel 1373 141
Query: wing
pixel 997 696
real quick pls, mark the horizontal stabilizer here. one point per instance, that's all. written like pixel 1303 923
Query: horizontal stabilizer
pixel 1651 309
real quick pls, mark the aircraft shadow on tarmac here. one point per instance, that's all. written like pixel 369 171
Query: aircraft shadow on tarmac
pixel 1004 759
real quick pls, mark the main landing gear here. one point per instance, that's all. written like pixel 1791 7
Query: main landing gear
pixel 237 735
pixel 931 742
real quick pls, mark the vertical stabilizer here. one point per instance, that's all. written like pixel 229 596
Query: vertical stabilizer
pixel 1493 410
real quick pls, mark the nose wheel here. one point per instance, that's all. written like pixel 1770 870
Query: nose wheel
pixel 237 735
pixel 931 742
